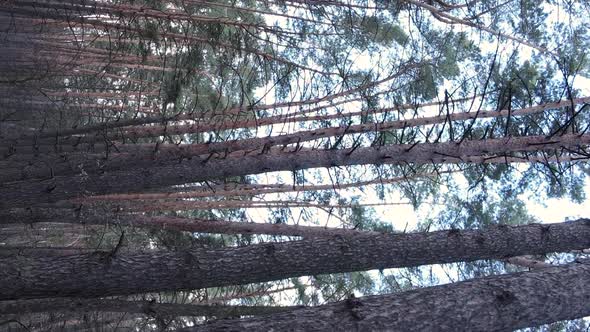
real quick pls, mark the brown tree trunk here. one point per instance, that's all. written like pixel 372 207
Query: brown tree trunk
pixel 98 24
pixel 71 216
pixel 200 126
pixel 527 262
pixel 496 303
pixel 184 205
pixel 102 274
pixel 181 171
pixel 284 188
pixel 153 131
pixel 180 117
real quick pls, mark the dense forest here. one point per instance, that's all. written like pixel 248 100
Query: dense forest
pixel 243 165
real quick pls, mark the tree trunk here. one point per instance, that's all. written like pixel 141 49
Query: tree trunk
pixel 496 303
pixel 101 127
pixel 70 216
pixel 302 136
pixel 139 307
pixel 184 205
pixel 102 274
pixel 285 188
pixel 181 171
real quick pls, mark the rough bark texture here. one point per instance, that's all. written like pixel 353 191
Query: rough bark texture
pixel 39 169
pixel 104 274
pixel 145 307
pixel 12 251
pixel 497 303
pixel 181 171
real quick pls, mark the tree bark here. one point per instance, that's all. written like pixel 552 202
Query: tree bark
pixel 71 216
pixel 496 303
pixel 201 126
pixel 27 193
pixel 145 307
pixel 102 274
pixel 285 188
pixel 184 205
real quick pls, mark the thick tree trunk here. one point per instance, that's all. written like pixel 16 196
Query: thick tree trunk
pixel 104 274
pixel 10 251
pixel 181 171
pixel 496 303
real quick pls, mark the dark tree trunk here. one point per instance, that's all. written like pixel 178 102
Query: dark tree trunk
pixel 496 303
pixel 110 273
pixel 137 307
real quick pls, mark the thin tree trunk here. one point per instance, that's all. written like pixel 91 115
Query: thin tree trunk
pixel 154 131
pixel 527 262
pixel 145 307
pixel 255 143
pixel 234 111
pixel 496 303
pixel 260 292
pixel 105 274
pixel 253 192
pixel 73 216
pixel 451 20
pixel 103 24
pixel 200 126
pixel 183 205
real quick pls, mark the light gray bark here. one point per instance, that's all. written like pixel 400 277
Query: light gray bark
pixel 496 303
pixel 104 274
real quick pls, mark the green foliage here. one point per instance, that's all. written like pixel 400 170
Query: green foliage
pixel 340 286
pixel 382 32
pixel 454 49
pixel 518 84
pixel 363 218
pixel 425 83
pixel 531 20
pixel 479 211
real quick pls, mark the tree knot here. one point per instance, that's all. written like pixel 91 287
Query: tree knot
pixel 504 297
pixel 355 306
